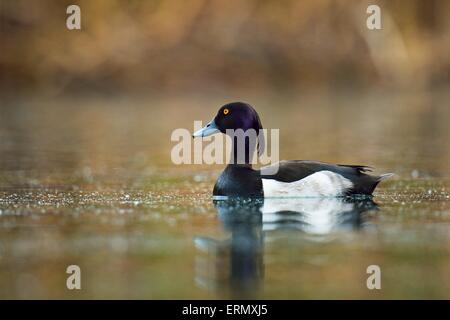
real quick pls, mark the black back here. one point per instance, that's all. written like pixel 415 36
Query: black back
pixel 294 170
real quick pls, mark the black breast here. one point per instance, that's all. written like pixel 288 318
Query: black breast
pixel 239 181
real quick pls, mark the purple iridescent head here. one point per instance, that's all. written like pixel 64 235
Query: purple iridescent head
pixel 234 116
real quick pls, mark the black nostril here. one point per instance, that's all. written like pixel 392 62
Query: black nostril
pixel 208 125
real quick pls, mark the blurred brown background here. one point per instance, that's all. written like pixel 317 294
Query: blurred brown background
pixel 86 118
pixel 202 45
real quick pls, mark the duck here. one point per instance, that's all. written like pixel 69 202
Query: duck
pixel 290 178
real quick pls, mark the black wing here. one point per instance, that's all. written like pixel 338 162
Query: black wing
pixel 294 170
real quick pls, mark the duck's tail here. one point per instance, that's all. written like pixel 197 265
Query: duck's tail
pixel 371 182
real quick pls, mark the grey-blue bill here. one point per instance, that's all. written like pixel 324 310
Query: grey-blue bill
pixel 209 129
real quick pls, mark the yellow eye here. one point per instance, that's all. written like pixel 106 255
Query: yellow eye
pixel 226 111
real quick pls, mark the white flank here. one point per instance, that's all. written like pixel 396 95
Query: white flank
pixel 319 184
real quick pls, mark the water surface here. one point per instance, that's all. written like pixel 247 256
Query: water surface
pixel 90 182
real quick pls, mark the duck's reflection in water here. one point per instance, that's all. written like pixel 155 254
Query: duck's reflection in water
pixel 236 265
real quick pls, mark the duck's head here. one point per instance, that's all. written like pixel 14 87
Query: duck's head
pixel 232 116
